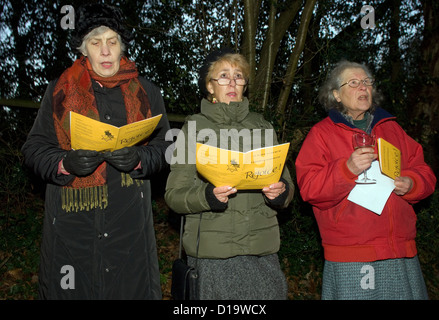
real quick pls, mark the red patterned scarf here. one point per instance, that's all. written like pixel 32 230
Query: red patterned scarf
pixel 74 92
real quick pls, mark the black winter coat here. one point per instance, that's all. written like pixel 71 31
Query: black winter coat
pixel 102 253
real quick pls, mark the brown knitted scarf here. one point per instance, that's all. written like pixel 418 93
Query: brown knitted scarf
pixel 74 92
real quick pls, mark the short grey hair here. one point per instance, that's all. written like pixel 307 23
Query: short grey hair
pixel 95 32
pixel 333 82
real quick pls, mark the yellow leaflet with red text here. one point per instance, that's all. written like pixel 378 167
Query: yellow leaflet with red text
pixel 90 134
pixel 389 158
pixel 254 169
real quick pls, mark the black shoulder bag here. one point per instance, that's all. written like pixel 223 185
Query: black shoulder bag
pixel 184 284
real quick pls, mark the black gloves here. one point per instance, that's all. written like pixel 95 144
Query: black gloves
pixel 125 159
pixel 82 162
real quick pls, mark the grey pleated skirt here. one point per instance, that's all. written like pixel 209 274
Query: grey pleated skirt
pixel 393 279
pixel 241 278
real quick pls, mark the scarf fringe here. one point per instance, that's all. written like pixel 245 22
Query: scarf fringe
pixel 74 200
pixel 86 199
pixel 127 181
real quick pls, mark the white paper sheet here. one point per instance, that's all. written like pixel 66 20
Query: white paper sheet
pixel 373 196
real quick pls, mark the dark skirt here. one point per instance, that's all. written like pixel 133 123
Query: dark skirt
pixel 392 279
pixel 241 278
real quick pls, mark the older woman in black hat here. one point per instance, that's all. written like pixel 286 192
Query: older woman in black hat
pixel 98 238
pixel 238 230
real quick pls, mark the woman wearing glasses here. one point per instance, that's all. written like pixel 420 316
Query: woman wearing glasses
pixel 239 233
pixel 367 255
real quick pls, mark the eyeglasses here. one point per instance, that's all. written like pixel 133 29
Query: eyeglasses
pixel 355 83
pixel 227 81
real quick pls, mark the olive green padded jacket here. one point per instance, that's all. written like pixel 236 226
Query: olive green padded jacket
pixel 248 226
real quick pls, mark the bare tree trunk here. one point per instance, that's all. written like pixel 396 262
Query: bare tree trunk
pixel 395 35
pixel 21 41
pixel 270 55
pixel 251 13
pixel 232 16
pixel 203 24
pixel 311 65
pixel 424 97
pixel 294 59
pixel 275 33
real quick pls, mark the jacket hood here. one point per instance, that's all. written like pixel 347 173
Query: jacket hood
pixel 223 113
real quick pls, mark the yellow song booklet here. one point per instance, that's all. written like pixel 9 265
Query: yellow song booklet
pixel 254 169
pixel 90 134
pixel 389 158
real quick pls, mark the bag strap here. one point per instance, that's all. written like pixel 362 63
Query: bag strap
pixel 198 240
pixel 181 238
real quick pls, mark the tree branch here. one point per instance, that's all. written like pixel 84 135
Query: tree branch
pixel 276 32
pixel 251 13
pixel 294 58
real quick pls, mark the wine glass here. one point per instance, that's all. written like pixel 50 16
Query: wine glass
pixel 364 140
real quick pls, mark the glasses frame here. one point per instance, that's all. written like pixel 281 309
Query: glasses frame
pixel 230 81
pixel 372 80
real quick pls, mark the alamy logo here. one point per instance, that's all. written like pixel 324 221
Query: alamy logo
pixel 368 21
pixel 68 21
pixel 231 139
pixel 68 281
pixel 368 281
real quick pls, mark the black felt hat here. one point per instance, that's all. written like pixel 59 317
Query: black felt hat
pixel 202 73
pixel 90 16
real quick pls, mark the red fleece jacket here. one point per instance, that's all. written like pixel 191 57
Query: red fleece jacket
pixel 350 232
